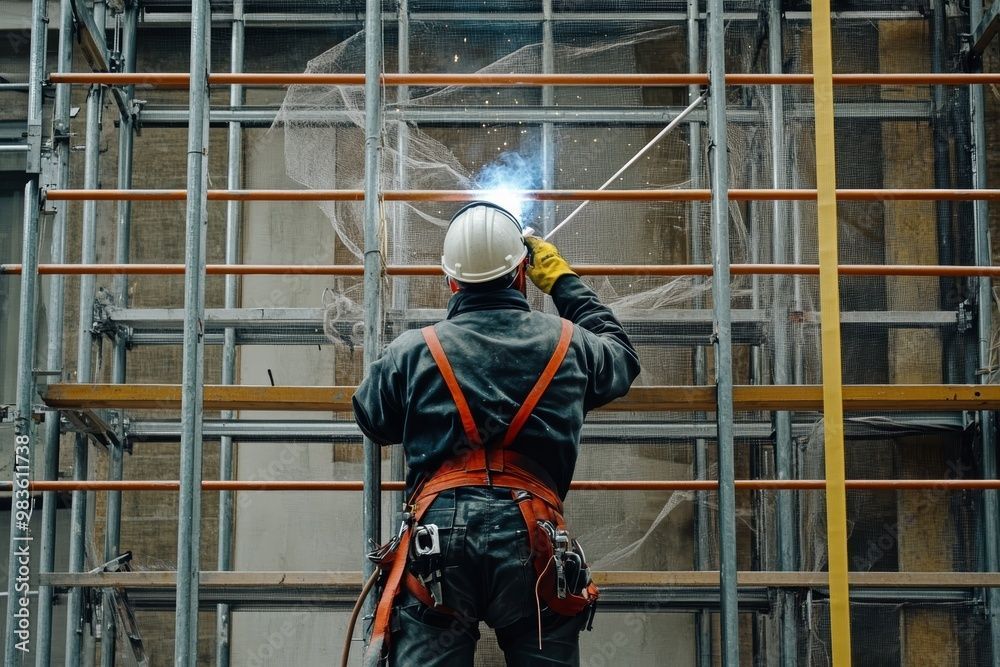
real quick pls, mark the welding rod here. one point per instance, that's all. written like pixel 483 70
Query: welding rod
pixel 645 149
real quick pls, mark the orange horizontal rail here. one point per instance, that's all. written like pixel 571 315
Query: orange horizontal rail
pixel 914 270
pixel 682 398
pixel 678 194
pixel 180 79
pixel 585 485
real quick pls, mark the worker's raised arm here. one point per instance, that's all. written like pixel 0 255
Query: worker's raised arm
pixel 378 405
pixel 611 360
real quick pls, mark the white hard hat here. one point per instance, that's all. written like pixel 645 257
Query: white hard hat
pixel 484 242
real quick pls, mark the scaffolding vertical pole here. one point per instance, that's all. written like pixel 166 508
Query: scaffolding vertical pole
pixel 783 453
pixel 759 465
pixel 984 331
pixel 372 509
pixel 234 181
pixel 123 224
pixel 723 343
pixel 833 405
pixel 20 534
pixel 192 374
pixel 548 129
pixel 75 625
pixel 401 224
pixel 703 619
pixel 54 353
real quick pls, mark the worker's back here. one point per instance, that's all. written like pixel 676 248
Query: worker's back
pixel 498 348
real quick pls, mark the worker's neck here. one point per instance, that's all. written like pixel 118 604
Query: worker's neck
pixel 465 301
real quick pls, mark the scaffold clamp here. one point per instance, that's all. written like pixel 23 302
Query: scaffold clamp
pixel 965 316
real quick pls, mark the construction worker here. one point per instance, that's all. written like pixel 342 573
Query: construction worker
pixel 489 405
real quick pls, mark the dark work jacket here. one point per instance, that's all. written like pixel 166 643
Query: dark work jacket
pixel 498 347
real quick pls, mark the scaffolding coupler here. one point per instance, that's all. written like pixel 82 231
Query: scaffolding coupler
pixel 965 316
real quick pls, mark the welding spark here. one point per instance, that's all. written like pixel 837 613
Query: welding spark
pixel 504 178
pixel 507 198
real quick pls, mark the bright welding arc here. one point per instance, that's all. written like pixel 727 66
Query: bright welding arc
pixel 645 149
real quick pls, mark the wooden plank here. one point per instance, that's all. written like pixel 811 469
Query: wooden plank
pixel 614 579
pixel 795 398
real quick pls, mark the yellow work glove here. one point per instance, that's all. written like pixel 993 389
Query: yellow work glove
pixel 547 265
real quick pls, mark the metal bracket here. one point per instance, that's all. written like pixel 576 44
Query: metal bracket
pixel 102 324
pixel 968 60
pixel 101 425
pixel 105 324
pixel 49 177
pixel 123 430
pixel 33 138
pixel 965 316
pixel 42 379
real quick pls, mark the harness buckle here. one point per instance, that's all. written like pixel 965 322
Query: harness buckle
pixel 378 553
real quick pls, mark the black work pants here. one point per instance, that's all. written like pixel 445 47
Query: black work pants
pixel 487 576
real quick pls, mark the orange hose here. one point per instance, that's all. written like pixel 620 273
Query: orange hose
pixel 585 485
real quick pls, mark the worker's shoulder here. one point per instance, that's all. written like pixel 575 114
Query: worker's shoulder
pixel 548 319
pixel 409 339
pixel 404 345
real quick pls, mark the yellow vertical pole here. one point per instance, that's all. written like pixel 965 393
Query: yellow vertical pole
pixel 833 405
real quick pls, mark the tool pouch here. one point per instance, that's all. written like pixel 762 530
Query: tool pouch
pixel 576 569
pixel 565 584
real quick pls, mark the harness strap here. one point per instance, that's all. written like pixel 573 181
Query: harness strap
pixel 513 477
pixel 383 612
pixel 468 422
pixel 527 406
pixel 544 380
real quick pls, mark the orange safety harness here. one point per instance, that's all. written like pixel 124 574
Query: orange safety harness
pixel 484 466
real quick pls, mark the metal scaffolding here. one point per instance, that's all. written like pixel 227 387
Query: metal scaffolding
pixel 100 412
